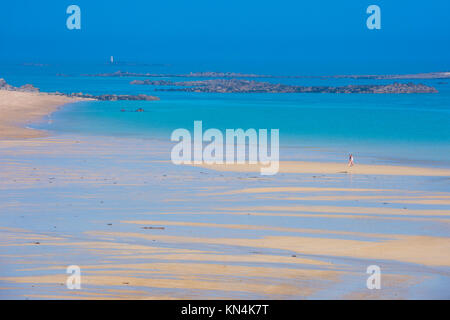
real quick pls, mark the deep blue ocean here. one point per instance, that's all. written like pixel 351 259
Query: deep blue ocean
pixel 387 128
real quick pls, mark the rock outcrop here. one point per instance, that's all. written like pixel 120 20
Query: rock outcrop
pixel 250 86
pixel 104 97
pixel 24 88
pixel 229 75
pixel 115 97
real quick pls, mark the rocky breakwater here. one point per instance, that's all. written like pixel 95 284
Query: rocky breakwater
pixel 114 97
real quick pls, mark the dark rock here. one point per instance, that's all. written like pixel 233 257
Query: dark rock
pixel 153 228
pixel 251 86
pixel 28 88
pixel 24 88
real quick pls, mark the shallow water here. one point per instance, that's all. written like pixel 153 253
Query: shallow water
pixel 83 195
pixel 407 128
pixel 85 200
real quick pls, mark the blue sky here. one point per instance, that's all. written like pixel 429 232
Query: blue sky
pixel 307 34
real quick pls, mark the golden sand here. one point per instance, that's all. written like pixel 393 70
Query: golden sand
pixel 423 250
pixel 17 109
pixel 335 168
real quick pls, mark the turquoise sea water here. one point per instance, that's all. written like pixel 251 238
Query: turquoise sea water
pixel 79 191
pixel 407 128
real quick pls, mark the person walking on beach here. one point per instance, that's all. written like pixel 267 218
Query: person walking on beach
pixel 350 160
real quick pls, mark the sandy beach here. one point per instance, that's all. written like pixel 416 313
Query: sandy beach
pixel 17 109
pixel 224 154
pixel 334 168
pixel 140 227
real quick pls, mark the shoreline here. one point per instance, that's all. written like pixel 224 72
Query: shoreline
pixel 316 167
pixel 18 109
pixel 20 106
pixel 139 227
pixel 130 221
pixel 215 74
